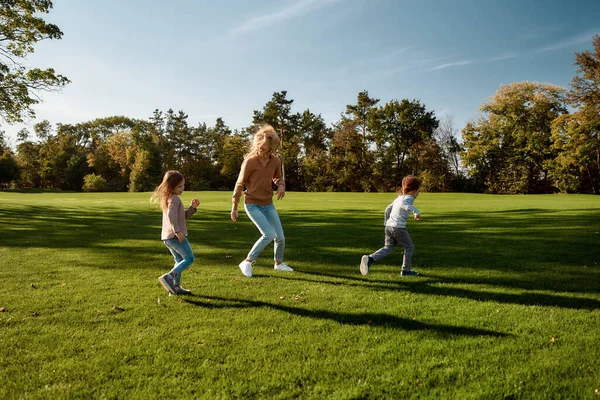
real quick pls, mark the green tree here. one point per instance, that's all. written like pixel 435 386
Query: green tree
pixel 315 134
pixel 234 149
pixel 29 164
pixel 21 27
pixel 361 114
pixel 216 138
pixel 139 179
pixel 9 169
pixel 400 125
pixel 315 142
pixel 344 165
pixel 576 137
pixel 576 167
pixel 510 145
pixel 94 183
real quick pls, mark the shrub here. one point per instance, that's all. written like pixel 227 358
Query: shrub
pixel 94 183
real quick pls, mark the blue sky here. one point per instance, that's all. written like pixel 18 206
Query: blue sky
pixel 226 58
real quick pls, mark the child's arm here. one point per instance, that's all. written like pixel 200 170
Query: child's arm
pixel 409 207
pixel 387 213
pixel 415 211
pixel 192 209
pixel 237 191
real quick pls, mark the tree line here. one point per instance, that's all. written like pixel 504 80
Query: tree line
pixel 529 137
pixel 369 149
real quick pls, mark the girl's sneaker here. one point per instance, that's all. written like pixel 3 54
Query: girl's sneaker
pixel 180 290
pixel 282 267
pixel 168 282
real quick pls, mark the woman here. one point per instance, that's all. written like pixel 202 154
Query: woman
pixel 260 169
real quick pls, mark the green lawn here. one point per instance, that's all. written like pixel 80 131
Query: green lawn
pixel 507 306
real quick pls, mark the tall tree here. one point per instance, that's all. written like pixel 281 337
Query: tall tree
pixel 446 136
pixel 577 136
pixel 234 149
pixel 361 111
pixel 343 166
pixel 576 167
pixel 21 27
pixel 361 115
pixel 513 138
pixel 9 170
pixel 585 87
pixel 398 126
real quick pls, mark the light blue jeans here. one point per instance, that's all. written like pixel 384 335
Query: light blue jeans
pixel 267 221
pixel 183 255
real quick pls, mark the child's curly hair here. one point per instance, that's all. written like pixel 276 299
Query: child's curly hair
pixel 164 191
pixel 410 183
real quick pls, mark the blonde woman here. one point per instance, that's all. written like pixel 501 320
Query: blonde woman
pixel 260 169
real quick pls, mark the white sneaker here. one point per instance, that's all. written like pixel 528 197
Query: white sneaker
pixel 246 268
pixel 283 267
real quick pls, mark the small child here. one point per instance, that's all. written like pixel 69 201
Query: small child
pixel 174 230
pixel 396 215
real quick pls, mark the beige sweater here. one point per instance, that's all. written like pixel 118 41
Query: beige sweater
pixel 258 181
pixel 173 220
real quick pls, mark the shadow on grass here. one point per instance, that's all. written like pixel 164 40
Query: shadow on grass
pixel 371 319
pixel 527 249
pixel 424 285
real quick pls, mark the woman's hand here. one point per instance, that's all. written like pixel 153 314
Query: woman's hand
pixel 280 192
pixel 234 215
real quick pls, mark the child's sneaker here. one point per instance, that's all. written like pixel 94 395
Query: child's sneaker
pixel 409 272
pixel 282 267
pixel 168 282
pixel 180 290
pixel 246 268
pixel 365 264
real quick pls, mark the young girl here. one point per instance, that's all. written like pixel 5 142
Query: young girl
pixel 260 169
pixel 174 230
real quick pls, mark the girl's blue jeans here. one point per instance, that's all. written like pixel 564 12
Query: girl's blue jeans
pixel 267 221
pixel 183 255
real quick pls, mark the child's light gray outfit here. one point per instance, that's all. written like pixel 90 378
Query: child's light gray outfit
pixel 396 215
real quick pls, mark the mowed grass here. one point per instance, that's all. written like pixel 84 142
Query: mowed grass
pixel 507 306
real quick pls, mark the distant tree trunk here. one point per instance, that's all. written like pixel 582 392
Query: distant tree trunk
pixel 282 154
pixel 591 179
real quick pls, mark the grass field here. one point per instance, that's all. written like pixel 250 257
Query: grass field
pixel 507 306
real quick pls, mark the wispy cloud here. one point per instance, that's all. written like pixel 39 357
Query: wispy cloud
pixel 453 64
pixel 375 73
pixel 575 40
pixel 294 10
pixel 501 57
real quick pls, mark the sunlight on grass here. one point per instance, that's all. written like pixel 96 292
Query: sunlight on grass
pixel 507 304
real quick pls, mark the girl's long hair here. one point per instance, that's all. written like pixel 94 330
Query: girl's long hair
pixel 164 191
pixel 266 133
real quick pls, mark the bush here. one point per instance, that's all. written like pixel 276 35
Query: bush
pixel 94 183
